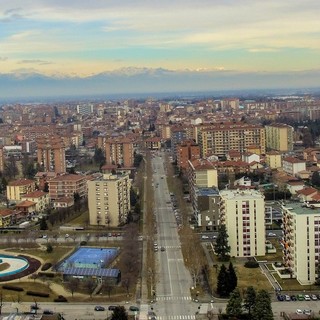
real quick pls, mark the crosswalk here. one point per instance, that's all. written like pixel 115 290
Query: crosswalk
pixel 173 298
pixel 172 247
pixel 177 317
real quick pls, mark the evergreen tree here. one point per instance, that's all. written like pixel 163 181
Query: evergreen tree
pixel 43 224
pixel 99 156
pixel 232 278
pixel 234 306
pixel 119 313
pixel 262 309
pixel 222 283
pixel 250 299
pixel 222 247
pixel 315 179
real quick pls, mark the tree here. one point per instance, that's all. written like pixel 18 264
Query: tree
pixel 262 309
pixel 99 156
pixel 232 278
pixel 119 313
pixel 315 179
pixel 234 306
pixel 43 224
pixel 10 168
pixel 49 248
pixel 90 284
pixel 222 283
pixel 73 284
pixel 46 187
pixel 222 247
pixel 250 299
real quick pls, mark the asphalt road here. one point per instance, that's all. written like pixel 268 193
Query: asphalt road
pixel 173 297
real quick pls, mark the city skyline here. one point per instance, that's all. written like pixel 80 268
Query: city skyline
pixel 224 44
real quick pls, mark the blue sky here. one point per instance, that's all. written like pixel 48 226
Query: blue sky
pixel 81 38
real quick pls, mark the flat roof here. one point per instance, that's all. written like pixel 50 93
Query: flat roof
pixel 113 273
pixel 298 208
pixel 207 192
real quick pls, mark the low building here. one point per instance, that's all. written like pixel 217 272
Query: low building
pixel 40 198
pixel 18 188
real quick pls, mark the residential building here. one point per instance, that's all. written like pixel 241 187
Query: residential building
pixel 279 137
pixel 18 188
pixel 206 208
pixel 301 241
pixel 220 138
pixel 187 150
pixel 273 159
pixel 109 200
pixel 67 185
pixel 51 154
pixel 119 151
pixel 7 217
pixel 178 134
pixel 1 159
pixel 243 213
pixel 40 198
pixel 292 165
pixel 84 109
pixel 153 143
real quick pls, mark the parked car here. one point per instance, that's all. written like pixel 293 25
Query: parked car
pixel 280 297
pixel 299 311
pixel 163 249
pixel 133 308
pixel 287 297
pixel 307 297
pixel 204 237
pixel 300 297
pixel 307 312
pixel 99 308
pixel 112 307
pixel 314 297
pixel 293 298
pixel 47 312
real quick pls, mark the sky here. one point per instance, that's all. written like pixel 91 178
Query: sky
pixel 79 39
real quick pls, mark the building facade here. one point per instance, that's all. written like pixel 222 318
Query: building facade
pixel 109 200
pixel 119 151
pixel 243 213
pixel 279 137
pixel 187 150
pixel 18 188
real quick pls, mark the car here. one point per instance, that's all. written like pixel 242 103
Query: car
pixel 44 236
pixel 155 249
pixel 151 315
pixel 299 311
pixel 300 297
pixel 280 297
pixel 307 297
pixel 34 306
pixel 47 312
pixel 67 235
pixel 318 296
pixel 293 298
pixel 163 249
pixel 133 308
pixel 111 308
pixel 271 234
pixel 307 312
pixel 99 308
pixel 287 297
pixel 313 297
pixel 204 237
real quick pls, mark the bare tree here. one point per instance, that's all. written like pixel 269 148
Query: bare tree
pixel 72 285
pixel 90 284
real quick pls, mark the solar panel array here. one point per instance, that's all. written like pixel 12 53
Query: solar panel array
pixel 91 272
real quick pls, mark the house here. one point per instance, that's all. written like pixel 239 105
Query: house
pixel 292 165
pixel 26 207
pixel 7 217
pixel 18 188
pixel 40 198
pixel 306 194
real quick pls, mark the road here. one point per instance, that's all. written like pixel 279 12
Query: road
pixel 173 279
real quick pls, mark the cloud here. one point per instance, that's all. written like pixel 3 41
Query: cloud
pixel 11 15
pixel 34 61
pixel 3 58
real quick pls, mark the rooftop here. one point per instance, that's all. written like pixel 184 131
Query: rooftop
pixel 299 209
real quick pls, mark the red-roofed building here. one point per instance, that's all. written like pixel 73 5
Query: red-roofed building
pixel 7 217
pixel 153 143
pixel 306 194
pixel 40 198
pixel 292 165
pixel 26 207
pixel 18 188
pixel 187 150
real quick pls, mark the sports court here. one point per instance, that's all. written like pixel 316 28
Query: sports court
pixel 86 257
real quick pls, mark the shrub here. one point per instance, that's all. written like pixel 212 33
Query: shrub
pixel 38 294
pixel 83 243
pixel 251 264
pixel 13 288
pixel 46 274
pixel 46 266
pixel 60 299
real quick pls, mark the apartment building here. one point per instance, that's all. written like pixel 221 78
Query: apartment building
pixel 243 213
pixel 153 143
pixel 301 241
pixel 40 198
pixel 67 185
pixel 218 139
pixel 119 151
pixel 18 188
pixel 1 159
pixel 279 137
pixel 51 154
pixel 206 206
pixel 293 166
pixel 109 200
pixel 84 109
pixel 273 159
pixel 187 150
pixel 178 134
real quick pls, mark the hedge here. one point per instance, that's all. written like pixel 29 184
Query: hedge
pixel 46 266
pixel 46 274
pixel 60 299
pixel 13 288
pixel 38 294
pixel 251 264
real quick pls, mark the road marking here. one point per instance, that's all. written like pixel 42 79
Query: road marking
pixel 177 317
pixel 167 298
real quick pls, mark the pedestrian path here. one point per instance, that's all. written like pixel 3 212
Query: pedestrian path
pixel 173 298
pixel 177 317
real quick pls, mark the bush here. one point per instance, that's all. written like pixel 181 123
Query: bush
pixel 46 274
pixel 83 243
pixel 60 299
pixel 38 294
pixel 251 264
pixel 13 288
pixel 46 266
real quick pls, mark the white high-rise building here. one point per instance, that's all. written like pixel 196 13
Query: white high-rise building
pixel 109 200
pixel 243 213
pixel 301 241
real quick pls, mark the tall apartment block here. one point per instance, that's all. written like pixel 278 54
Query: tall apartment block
pixel 51 154
pixel 109 200
pixel 178 134
pixel 279 137
pixel 301 241
pixel 219 139
pixel 119 151
pixel 84 109
pixel 187 150
pixel 243 213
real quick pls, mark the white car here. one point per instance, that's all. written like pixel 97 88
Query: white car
pixel 307 297
pixel 299 311
pixel 66 236
pixel 204 237
pixel 307 312
pixel 271 234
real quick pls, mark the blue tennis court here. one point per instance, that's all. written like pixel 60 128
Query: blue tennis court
pixel 86 257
